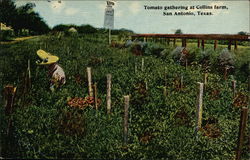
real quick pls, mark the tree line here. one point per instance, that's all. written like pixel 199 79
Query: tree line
pixel 23 17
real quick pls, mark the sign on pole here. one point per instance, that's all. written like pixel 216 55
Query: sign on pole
pixel 109 16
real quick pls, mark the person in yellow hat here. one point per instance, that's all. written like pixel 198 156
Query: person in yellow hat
pixel 56 72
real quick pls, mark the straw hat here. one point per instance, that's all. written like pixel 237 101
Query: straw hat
pixel 46 57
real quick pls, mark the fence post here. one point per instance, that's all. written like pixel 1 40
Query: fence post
pixel 181 82
pixel 205 80
pixel 27 80
pixel 199 106
pixel 235 45
pixel 243 123
pixel 165 91
pixel 215 44
pixel 142 64
pixel 234 87
pixel 9 95
pixel 108 93
pixel 125 126
pixel 146 83
pixel 249 83
pixel 29 74
pixel 225 73
pixel 95 95
pixel 203 44
pixel 229 45
pixel 89 82
pixel 165 75
pixel 135 67
pixel 168 41
pixel 109 36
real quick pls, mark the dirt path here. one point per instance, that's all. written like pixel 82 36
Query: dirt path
pixel 18 40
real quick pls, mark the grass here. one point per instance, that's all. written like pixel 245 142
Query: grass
pixel 159 127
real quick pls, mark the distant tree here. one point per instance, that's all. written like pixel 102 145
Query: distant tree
pixel 36 24
pixel 178 31
pixel 86 29
pixel 61 28
pixel 242 33
pixel 7 12
pixel 22 17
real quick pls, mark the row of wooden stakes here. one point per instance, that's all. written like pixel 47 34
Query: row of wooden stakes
pixel 10 92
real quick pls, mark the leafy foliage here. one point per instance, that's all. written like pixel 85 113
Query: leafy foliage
pixel 160 126
pixel 226 59
pixel 22 17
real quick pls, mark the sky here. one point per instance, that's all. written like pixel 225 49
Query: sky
pixel 133 15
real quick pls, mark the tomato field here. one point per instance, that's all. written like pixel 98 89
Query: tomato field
pixel 162 110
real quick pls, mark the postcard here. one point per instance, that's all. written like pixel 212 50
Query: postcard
pixel 125 79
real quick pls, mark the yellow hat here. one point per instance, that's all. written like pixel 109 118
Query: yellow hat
pixel 46 57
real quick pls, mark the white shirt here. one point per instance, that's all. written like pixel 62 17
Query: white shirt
pixel 57 74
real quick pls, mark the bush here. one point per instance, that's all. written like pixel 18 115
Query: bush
pixel 6 35
pixel 154 49
pixel 61 28
pixel 176 53
pixel 138 48
pixel 166 52
pixel 87 29
pixel 226 59
pixel 242 64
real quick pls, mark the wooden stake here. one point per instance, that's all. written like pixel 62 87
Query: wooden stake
pixel 165 76
pixel 174 42
pixel 135 68
pixel 225 73
pixel 186 63
pixel 165 91
pixel 108 93
pixel 96 98
pixel 203 44
pixel 229 45
pixel 67 50
pixel 9 95
pixel 29 75
pixel 243 123
pixel 215 44
pixel 249 83
pixel 198 43
pixel 89 81
pixel 125 126
pixel 183 42
pixel 205 81
pixel 109 36
pixel 181 82
pixel 235 45
pixel 146 83
pixel 199 106
pixel 142 64
pixel 234 87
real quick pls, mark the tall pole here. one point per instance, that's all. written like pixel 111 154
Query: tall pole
pixel 125 125
pixel 108 97
pixel 199 107
pixel 242 128
pixel 89 82
pixel 109 36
